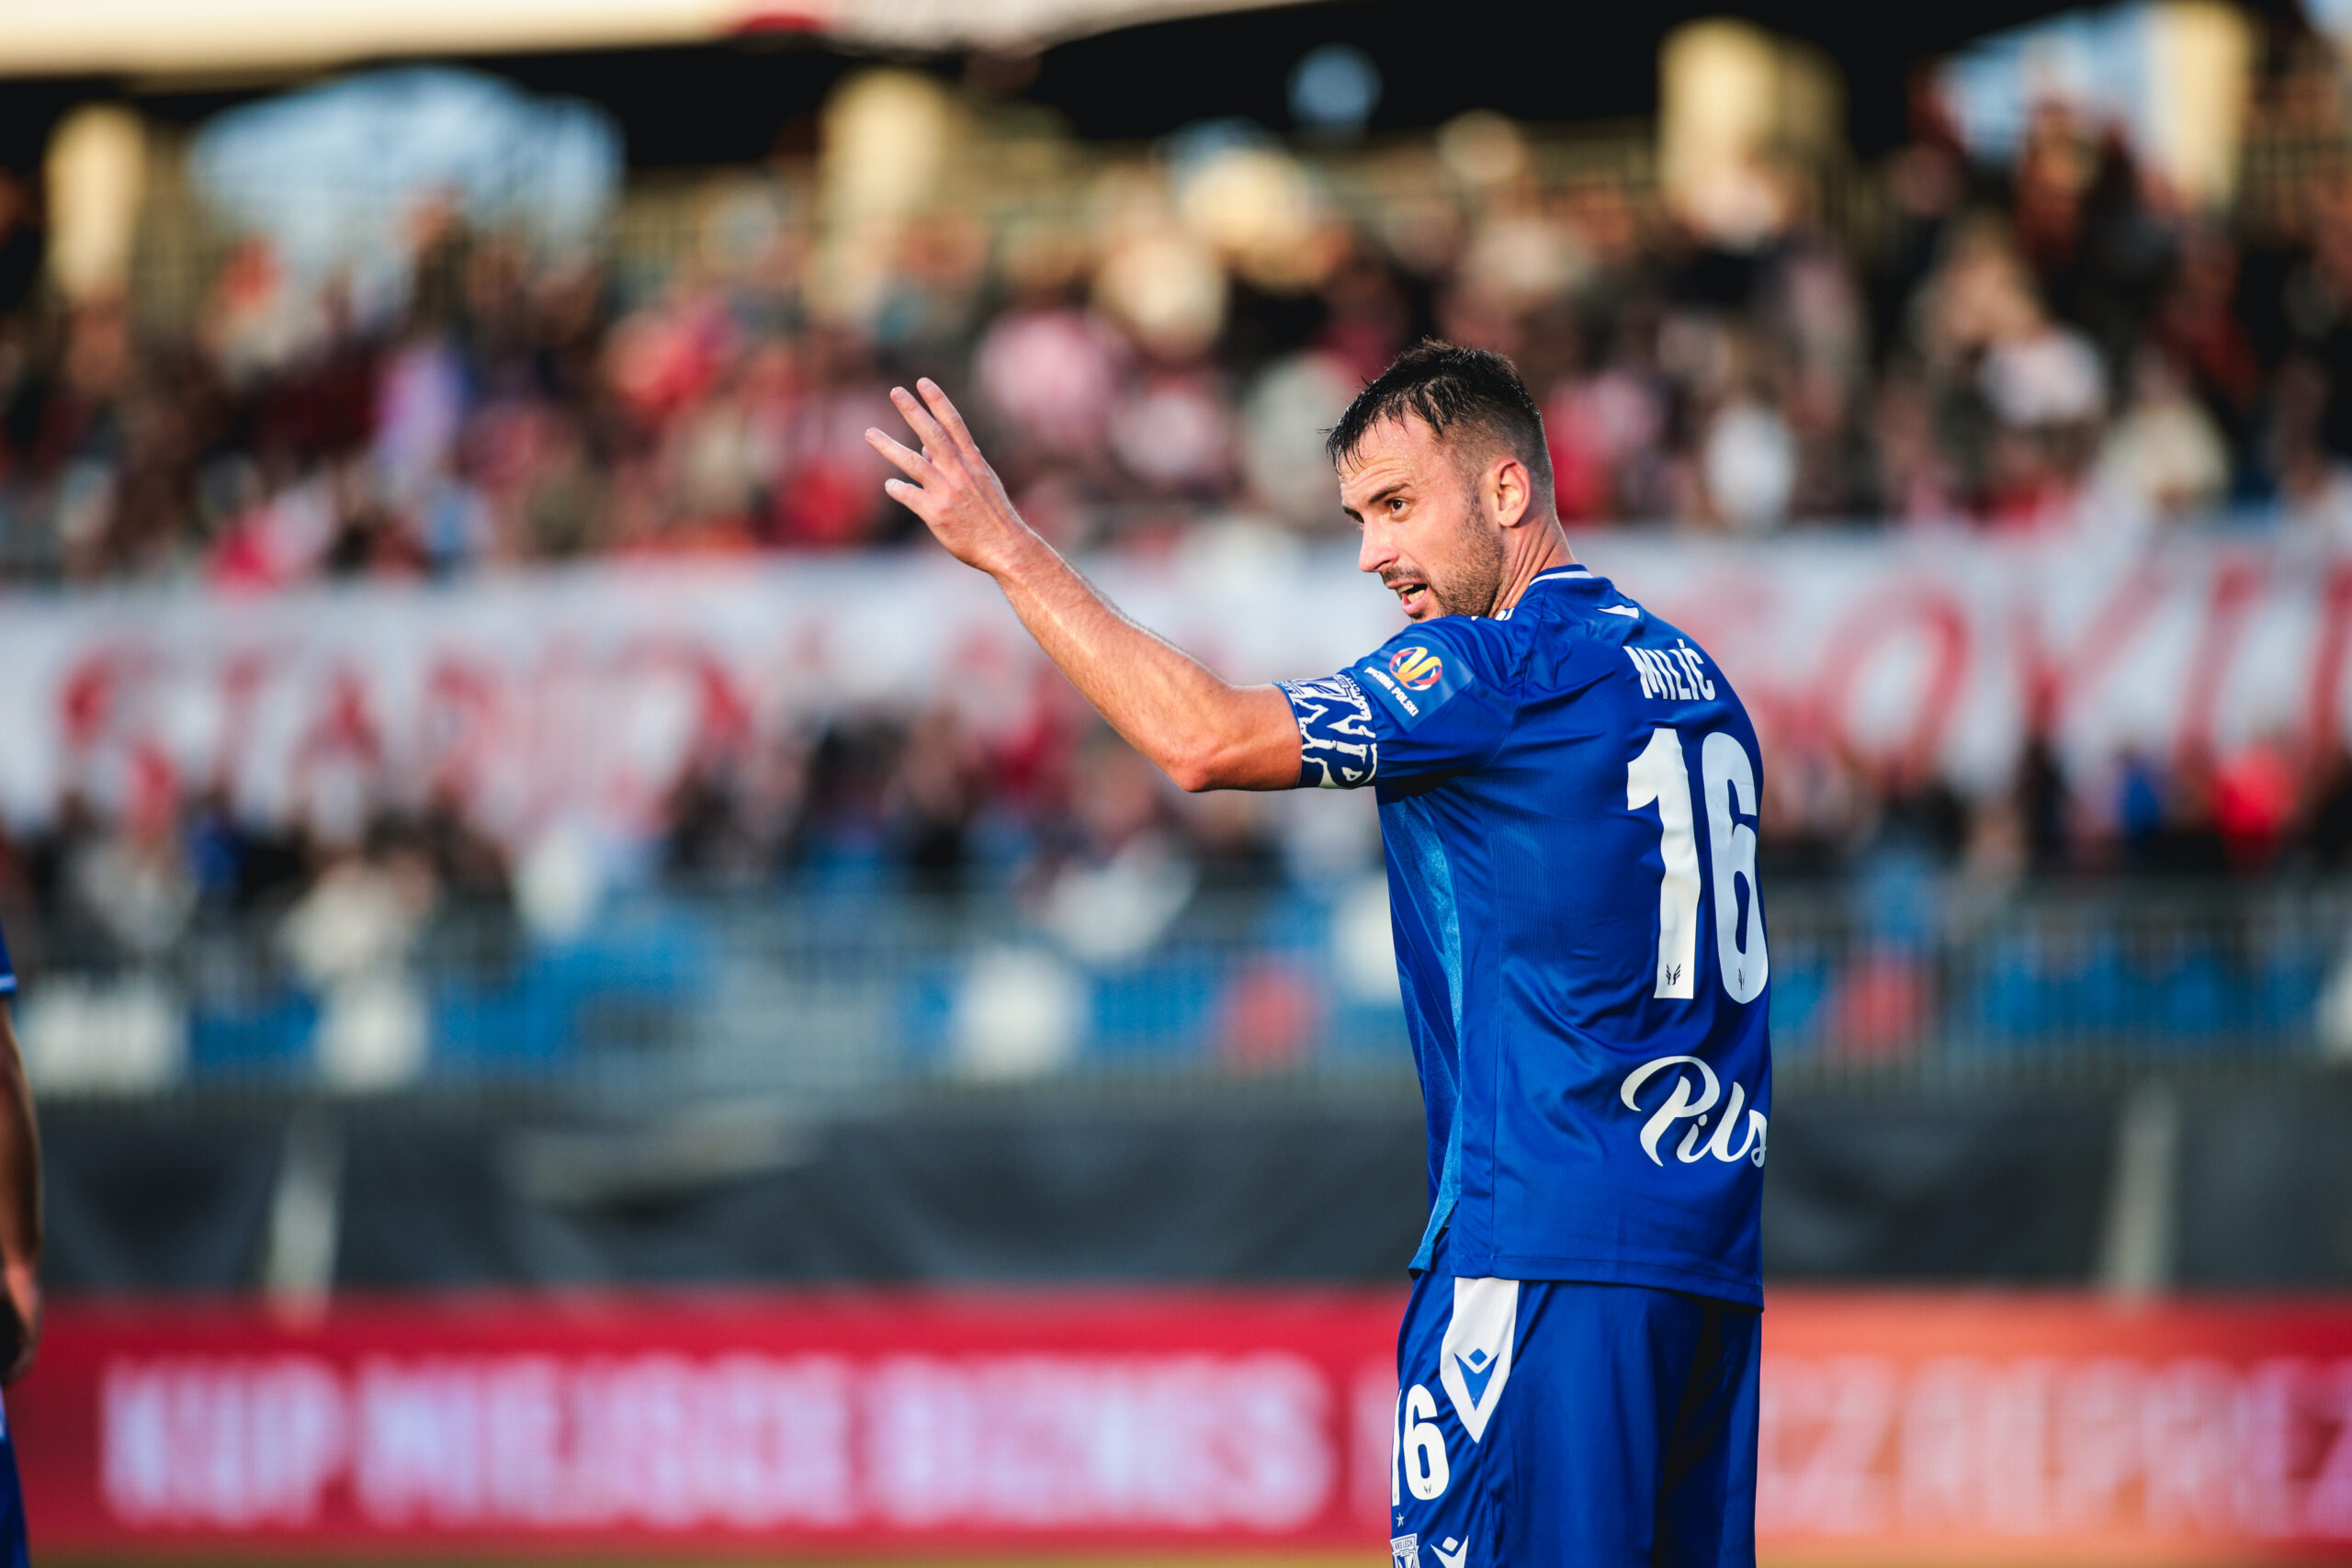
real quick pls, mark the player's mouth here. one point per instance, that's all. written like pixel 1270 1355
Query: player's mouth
pixel 1412 594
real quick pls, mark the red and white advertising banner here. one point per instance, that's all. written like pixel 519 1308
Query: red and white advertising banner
pixel 1966 1428
pixel 1897 1428
pixel 812 1422
pixel 581 694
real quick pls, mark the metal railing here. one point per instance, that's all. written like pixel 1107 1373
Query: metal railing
pixel 2117 976
pixel 833 999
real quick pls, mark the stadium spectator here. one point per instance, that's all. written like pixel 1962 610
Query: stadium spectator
pixel 2059 344
pixel 2021 347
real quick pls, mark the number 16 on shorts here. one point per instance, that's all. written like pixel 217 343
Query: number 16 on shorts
pixel 1423 1473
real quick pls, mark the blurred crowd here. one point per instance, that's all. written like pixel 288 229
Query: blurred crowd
pixel 1061 819
pixel 2058 343
pixel 1064 829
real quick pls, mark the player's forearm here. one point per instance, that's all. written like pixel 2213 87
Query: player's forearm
pixel 21 1226
pixel 1201 732
pixel 1197 728
pixel 19 1206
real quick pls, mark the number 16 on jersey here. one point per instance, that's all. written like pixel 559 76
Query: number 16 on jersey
pixel 1727 777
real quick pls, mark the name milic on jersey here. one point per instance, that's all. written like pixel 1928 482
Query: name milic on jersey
pixel 1672 674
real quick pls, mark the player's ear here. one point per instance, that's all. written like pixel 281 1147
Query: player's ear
pixel 1509 491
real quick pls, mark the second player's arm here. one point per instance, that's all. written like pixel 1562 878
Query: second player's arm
pixel 1200 730
pixel 20 1229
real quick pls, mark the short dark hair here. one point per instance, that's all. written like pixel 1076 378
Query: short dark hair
pixel 1451 388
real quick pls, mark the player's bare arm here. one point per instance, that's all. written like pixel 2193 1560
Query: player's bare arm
pixel 20 1231
pixel 1200 730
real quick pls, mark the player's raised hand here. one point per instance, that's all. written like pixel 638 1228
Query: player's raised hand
pixel 948 484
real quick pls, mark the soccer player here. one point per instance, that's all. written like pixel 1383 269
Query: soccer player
pixel 1568 793
pixel 19 1253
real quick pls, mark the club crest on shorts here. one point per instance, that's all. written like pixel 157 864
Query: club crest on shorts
pixel 1406 1550
pixel 1475 1355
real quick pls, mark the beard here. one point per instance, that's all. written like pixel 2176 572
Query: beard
pixel 1473 579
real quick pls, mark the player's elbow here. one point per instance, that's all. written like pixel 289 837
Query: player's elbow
pixel 1193 771
pixel 1204 763
pixel 1246 742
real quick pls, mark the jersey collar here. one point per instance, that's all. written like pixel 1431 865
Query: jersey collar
pixel 1579 573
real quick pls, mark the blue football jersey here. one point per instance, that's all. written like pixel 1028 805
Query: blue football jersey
pixel 1569 797
pixel 7 969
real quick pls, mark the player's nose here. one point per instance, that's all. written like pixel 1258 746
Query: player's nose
pixel 1374 552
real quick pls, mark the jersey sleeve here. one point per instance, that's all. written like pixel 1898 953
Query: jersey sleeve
pixel 1430 700
pixel 7 969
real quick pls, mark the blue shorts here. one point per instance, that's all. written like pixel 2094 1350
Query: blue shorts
pixel 13 1553
pixel 1560 1424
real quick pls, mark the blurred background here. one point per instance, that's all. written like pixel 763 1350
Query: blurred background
pixel 495 803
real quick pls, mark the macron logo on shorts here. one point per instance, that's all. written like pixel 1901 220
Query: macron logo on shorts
pixel 1478 1371
pixel 1476 1356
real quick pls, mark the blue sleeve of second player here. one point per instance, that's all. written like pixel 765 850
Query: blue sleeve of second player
pixel 7 969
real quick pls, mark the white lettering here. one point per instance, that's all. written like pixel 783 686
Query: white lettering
pixel 1751 1147
pixel 235 1443
pixel 1042 1442
pixel 1693 661
pixel 1680 1105
pixel 1649 677
pixel 1694 1103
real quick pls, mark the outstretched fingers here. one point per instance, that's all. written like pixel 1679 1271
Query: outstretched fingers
pixel 908 492
pixel 912 464
pixel 950 418
pixel 936 442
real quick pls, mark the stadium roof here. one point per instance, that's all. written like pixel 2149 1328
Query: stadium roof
pixel 166 36
pixel 698 81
